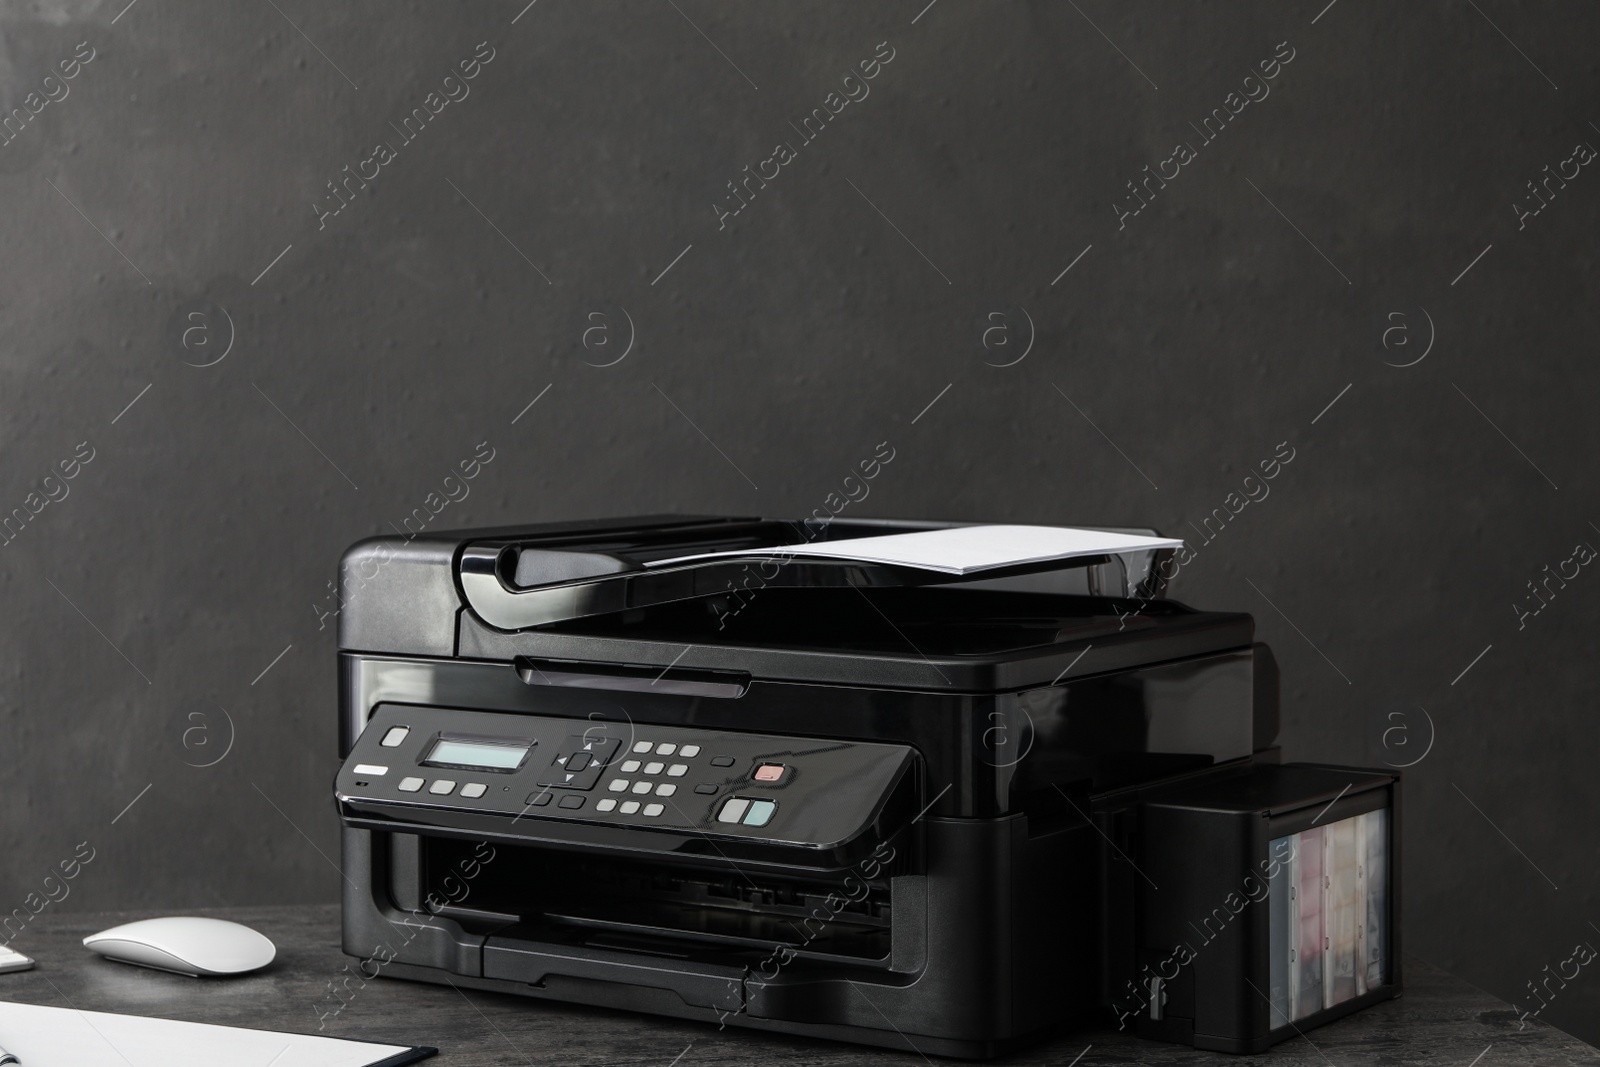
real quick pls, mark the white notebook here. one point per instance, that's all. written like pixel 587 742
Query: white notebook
pixel 959 549
pixel 63 1037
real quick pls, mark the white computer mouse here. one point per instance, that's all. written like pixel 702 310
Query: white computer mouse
pixel 185 945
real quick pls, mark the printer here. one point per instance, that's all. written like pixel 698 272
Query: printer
pixel 696 767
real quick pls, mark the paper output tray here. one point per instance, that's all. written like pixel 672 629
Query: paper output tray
pixel 520 583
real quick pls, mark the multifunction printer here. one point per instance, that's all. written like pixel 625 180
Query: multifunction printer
pixel 695 767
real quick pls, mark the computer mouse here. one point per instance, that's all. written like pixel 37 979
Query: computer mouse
pixel 185 944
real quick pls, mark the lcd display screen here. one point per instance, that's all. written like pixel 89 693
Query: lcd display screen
pixel 480 754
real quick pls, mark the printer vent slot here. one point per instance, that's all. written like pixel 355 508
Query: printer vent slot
pixel 629 678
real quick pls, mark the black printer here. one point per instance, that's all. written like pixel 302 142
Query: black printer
pixel 933 812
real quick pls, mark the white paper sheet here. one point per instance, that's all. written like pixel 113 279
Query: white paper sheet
pixel 62 1037
pixel 959 549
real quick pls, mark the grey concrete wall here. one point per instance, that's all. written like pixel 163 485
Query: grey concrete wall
pixel 242 382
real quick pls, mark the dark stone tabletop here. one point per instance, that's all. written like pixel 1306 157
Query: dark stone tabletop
pixel 1440 1020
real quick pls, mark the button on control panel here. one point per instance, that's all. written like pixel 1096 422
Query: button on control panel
pixel 578 761
pixel 626 774
pixel 747 811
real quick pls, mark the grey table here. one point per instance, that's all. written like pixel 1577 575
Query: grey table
pixel 1440 1020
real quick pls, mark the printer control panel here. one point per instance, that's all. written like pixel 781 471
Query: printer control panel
pixel 811 792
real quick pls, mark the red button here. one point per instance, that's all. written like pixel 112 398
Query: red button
pixel 769 772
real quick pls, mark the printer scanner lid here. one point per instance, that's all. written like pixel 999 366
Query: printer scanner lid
pixel 598 592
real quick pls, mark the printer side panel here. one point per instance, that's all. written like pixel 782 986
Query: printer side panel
pixel 384 924
pixel 397 596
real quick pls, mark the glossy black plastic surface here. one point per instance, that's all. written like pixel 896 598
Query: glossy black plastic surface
pixel 1195 915
pixel 400 594
pixel 830 803
pixel 983 754
pixel 955 758
pixel 526 581
pixel 922 639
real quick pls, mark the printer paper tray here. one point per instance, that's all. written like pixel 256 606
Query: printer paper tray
pixel 514 584
pixel 700 984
